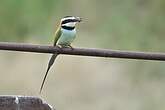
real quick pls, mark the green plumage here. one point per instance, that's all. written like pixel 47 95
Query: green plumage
pixel 57 35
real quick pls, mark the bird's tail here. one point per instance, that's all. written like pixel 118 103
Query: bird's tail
pixel 51 61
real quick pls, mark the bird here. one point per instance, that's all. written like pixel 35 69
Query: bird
pixel 64 36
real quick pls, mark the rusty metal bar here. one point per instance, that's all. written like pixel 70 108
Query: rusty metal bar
pixel 82 51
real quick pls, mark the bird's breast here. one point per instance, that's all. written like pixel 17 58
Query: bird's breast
pixel 67 37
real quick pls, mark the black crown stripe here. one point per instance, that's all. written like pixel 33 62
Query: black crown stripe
pixel 67 16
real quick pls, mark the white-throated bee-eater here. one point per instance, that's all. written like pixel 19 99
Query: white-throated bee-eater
pixel 64 36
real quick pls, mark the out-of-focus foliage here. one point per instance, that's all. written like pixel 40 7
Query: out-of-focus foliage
pixel 85 82
pixel 19 18
pixel 130 23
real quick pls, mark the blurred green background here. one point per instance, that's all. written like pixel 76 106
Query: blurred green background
pixel 86 83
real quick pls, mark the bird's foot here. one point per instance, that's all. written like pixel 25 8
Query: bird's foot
pixel 65 46
pixel 59 46
pixel 69 46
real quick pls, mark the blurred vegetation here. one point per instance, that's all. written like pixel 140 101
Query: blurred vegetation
pixel 130 23
pixel 92 83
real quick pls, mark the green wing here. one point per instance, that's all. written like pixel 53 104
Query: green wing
pixel 57 35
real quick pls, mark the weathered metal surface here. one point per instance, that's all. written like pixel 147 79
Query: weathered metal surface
pixel 23 103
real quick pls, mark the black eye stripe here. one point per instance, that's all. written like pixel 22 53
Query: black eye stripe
pixel 68 20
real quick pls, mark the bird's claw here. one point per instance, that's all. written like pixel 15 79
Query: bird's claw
pixel 59 46
pixel 64 46
pixel 70 47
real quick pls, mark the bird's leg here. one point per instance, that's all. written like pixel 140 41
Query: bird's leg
pixel 70 47
pixel 59 46
pixel 65 46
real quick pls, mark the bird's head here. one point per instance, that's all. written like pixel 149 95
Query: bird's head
pixel 70 21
